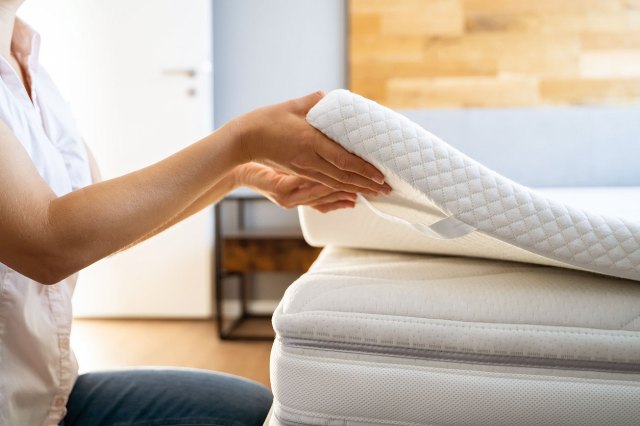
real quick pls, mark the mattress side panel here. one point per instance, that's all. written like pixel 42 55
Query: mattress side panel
pixel 310 388
pixel 503 344
pixel 464 307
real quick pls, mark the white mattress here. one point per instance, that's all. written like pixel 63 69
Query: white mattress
pixel 370 338
pixel 446 203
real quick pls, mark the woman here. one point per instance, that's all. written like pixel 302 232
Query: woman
pixel 56 218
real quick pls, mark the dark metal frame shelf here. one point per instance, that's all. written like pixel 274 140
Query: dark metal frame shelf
pixel 230 332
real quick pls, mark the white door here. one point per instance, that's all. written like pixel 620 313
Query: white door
pixel 138 76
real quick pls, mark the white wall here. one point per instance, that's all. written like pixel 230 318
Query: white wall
pixel 270 51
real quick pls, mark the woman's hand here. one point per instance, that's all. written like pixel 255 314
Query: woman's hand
pixel 279 136
pixel 290 191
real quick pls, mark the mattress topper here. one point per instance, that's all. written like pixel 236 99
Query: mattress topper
pixel 447 203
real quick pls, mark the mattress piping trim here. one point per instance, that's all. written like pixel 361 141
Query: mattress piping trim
pixel 464 357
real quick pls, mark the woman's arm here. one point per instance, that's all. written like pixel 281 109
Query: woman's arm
pixel 48 238
pixel 285 190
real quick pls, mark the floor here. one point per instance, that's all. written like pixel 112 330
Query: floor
pixel 109 344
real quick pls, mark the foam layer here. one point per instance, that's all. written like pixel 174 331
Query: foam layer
pixel 433 182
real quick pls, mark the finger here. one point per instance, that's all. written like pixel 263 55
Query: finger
pixel 287 182
pixel 324 208
pixel 333 183
pixel 331 197
pixel 347 177
pixel 344 160
pixel 304 104
pixel 292 183
pixel 310 191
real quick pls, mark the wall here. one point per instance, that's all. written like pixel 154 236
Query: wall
pixel 270 51
pixel 495 53
pixel 545 147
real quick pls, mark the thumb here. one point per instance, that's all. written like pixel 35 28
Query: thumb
pixel 305 103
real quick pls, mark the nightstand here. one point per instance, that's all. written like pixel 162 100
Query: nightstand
pixel 241 252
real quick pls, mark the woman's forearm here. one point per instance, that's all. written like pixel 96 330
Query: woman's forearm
pixel 91 223
pixel 214 194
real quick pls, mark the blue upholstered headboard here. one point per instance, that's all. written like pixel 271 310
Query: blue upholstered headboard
pixel 541 147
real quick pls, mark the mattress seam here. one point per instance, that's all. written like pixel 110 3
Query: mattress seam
pixel 432 322
pixel 509 360
pixel 452 371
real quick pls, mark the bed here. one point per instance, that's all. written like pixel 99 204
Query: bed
pixel 462 298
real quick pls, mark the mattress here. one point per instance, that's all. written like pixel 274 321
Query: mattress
pixel 462 297
pixel 446 203
pixel 381 338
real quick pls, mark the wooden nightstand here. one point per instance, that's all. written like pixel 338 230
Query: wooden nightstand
pixel 241 253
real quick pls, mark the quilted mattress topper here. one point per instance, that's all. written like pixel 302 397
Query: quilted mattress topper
pixel 444 202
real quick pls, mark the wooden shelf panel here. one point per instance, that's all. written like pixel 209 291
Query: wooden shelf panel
pixel 267 255
pixel 272 234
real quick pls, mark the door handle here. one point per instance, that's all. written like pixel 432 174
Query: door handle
pixel 178 72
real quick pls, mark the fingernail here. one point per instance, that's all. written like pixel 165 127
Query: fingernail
pixel 378 179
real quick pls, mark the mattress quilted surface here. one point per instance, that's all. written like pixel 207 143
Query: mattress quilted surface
pixel 447 203
pixel 370 337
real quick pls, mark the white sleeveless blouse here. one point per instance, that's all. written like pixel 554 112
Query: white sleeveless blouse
pixel 37 366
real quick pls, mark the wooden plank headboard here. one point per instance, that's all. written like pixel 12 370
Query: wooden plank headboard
pixel 495 53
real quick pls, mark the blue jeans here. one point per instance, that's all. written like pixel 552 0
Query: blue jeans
pixel 166 397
